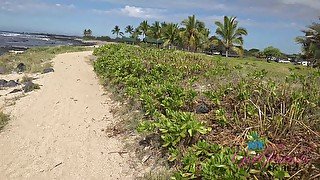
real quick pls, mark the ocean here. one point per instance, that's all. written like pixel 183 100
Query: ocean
pixel 17 41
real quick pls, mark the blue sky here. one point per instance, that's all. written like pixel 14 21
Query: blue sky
pixel 269 22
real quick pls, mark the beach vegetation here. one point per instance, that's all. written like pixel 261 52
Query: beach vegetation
pixel 261 122
pixel 190 35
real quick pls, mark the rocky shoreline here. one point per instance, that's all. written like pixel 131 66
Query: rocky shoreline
pixel 15 41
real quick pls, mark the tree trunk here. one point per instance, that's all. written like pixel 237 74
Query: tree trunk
pixel 227 53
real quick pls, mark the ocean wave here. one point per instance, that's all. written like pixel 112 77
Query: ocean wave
pixel 10 34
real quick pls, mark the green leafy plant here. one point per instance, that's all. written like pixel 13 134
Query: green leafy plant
pixel 178 126
pixel 244 97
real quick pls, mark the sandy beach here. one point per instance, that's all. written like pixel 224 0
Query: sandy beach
pixel 57 132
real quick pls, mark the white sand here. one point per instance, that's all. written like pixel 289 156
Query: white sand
pixel 56 132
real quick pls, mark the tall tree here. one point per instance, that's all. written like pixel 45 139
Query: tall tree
pixel 164 24
pixel 170 34
pixel 191 31
pixel 272 52
pixel 136 33
pixel 144 28
pixel 230 35
pixel 129 29
pixel 87 33
pixel 156 31
pixel 203 40
pixel 116 30
pixel 253 52
pixel 311 43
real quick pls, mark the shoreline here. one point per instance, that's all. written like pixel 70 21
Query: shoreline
pixel 20 41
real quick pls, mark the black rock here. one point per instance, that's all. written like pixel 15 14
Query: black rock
pixel 3 70
pixel 30 86
pixel 3 82
pixel 11 83
pixel 21 67
pixel 202 108
pixel 15 91
pixel 48 70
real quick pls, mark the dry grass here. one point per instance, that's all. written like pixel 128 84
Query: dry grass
pixel 3 119
pixel 36 59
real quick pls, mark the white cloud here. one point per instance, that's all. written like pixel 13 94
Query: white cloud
pixel 144 13
pixel 136 12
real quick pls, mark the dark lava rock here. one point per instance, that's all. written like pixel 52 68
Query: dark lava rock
pixel 15 91
pixel 30 86
pixel 202 109
pixel 21 67
pixel 150 140
pixel 11 83
pixel 3 70
pixel 48 70
pixel 3 82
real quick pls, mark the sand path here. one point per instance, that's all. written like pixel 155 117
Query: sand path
pixel 56 132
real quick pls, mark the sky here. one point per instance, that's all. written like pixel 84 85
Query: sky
pixel 269 22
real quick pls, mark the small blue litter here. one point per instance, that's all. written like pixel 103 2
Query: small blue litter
pixel 255 145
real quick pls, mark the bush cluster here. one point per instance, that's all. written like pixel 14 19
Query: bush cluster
pixel 243 102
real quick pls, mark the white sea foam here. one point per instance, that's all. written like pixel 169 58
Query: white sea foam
pixel 10 34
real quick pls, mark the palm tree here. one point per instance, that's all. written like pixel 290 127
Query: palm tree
pixel 203 40
pixel 117 31
pixel 191 31
pixel 171 34
pixel 129 29
pixel 85 32
pixel 311 42
pixel 230 34
pixel 155 31
pixel 89 32
pixel 144 28
pixel 164 24
pixel 136 33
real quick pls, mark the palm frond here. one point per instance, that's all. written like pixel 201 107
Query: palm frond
pixel 238 49
pixel 230 34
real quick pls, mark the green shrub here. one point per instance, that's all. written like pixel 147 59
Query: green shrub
pixel 271 100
